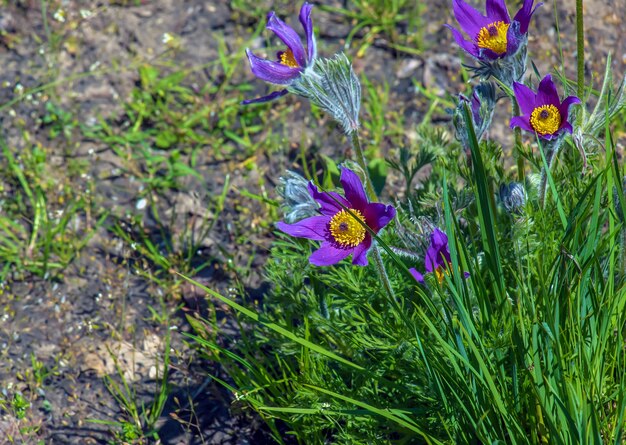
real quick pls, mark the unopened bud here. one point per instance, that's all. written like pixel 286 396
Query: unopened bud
pixel 512 196
pixel 332 85
pixel 482 105
pixel 297 201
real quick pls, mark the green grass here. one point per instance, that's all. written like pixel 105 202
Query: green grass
pixel 38 221
pixel 397 22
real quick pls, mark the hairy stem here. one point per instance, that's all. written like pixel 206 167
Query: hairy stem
pixel 371 195
pixel 518 143
pixel 360 159
pixel 383 274
pixel 580 47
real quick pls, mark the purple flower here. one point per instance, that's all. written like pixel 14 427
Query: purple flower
pixel 340 232
pixel 437 259
pixel 292 61
pixel 492 36
pixel 543 113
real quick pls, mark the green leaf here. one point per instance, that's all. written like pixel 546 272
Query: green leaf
pixel 165 139
pixel 378 173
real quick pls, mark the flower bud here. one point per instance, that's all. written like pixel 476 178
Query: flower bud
pixel 482 105
pixel 297 201
pixel 332 85
pixel 512 196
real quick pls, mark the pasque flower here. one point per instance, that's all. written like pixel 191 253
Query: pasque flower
pixel 494 35
pixel 290 62
pixel 339 226
pixel 543 112
pixel 437 258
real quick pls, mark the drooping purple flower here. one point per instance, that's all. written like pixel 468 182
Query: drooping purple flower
pixel 494 35
pixel 437 259
pixel 338 230
pixel 482 105
pixel 543 112
pixel 292 61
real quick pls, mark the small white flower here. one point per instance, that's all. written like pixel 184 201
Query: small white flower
pixel 167 38
pixel 59 15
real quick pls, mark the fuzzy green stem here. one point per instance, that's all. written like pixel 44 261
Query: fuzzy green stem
pixel 580 47
pixel 360 159
pixel 371 195
pixel 383 273
pixel 518 143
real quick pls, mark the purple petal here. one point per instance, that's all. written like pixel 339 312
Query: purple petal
pixel 565 125
pixel 470 19
pixel 565 105
pixel 307 24
pixel 287 34
pixel 523 122
pixel 330 202
pixel 273 96
pixel 378 215
pixel 272 72
pixel 497 10
pixel 525 97
pixel 437 253
pixel 547 93
pixel 467 45
pixel 328 254
pixel 489 54
pixel 315 228
pixel 418 276
pixel 359 255
pixel 513 39
pixel 476 106
pixel 353 188
pixel 438 238
pixel 523 15
pixel 466 275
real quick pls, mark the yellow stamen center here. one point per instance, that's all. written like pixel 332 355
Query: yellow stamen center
pixel 440 273
pixel 346 230
pixel 287 58
pixel 545 119
pixel 493 37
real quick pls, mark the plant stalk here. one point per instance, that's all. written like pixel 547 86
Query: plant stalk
pixel 371 196
pixel 580 48
pixel 383 273
pixel 360 159
pixel 518 143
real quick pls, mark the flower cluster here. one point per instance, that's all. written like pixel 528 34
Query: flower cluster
pixel 347 224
